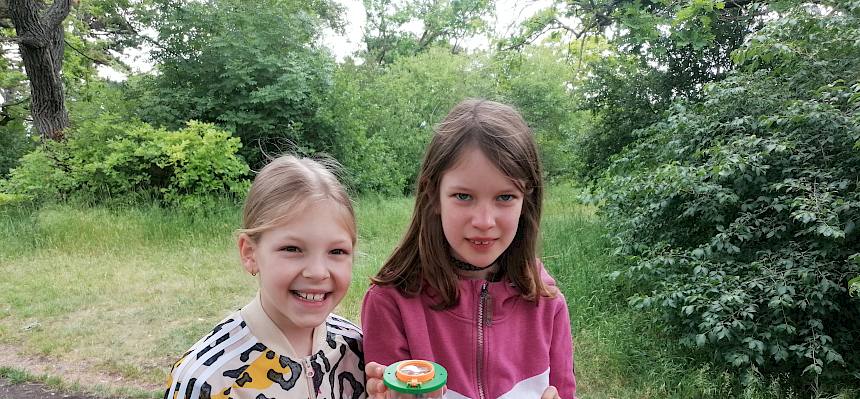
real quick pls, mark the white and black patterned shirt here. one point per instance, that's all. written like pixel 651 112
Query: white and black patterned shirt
pixel 247 356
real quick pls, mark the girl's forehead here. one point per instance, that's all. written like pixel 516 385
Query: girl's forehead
pixel 474 170
pixel 339 212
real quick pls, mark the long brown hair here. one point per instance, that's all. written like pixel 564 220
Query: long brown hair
pixel 422 259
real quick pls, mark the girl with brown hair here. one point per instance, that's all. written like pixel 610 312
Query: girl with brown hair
pixel 464 288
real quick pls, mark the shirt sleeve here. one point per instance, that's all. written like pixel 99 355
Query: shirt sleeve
pixel 562 375
pixel 384 334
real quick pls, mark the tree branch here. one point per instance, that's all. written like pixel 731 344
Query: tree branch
pixel 576 33
pixel 21 101
pixel 28 39
pixel 100 62
pixel 58 12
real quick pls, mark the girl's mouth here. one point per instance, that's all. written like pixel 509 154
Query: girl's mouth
pixel 310 296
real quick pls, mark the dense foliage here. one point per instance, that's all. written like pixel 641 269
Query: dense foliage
pixel 722 136
pixel 444 24
pixel 255 68
pixel 109 158
pixel 662 51
pixel 384 118
pixel 739 211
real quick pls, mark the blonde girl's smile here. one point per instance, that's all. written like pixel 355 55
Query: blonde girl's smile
pixel 310 297
pixel 304 266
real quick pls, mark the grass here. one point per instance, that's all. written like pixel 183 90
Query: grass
pixel 18 376
pixel 126 289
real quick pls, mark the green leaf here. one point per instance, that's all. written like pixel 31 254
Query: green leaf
pixel 700 340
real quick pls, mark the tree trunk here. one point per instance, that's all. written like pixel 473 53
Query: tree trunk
pixel 41 42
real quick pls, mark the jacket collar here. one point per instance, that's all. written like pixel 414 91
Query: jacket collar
pixel 270 335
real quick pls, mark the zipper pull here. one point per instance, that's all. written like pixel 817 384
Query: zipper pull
pixel 487 304
pixel 309 370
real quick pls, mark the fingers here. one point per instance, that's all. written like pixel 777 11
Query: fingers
pixel 374 370
pixel 375 387
pixel 550 393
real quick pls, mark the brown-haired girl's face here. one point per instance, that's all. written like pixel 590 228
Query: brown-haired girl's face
pixel 480 208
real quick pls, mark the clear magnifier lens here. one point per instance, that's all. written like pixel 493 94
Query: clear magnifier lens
pixel 414 369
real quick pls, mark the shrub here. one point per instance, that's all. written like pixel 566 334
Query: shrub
pixel 739 212
pixel 41 174
pixel 106 158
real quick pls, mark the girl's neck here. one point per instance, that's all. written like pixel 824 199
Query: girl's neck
pixel 471 272
pixel 301 341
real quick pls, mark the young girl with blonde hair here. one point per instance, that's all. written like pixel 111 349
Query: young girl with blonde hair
pixel 465 288
pixel 298 237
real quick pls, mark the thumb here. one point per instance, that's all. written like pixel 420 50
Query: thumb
pixel 550 393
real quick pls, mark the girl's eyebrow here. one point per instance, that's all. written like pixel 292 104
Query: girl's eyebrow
pixel 508 188
pixel 295 238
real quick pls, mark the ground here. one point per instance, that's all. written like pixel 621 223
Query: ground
pixel 33 391
pixel 68 372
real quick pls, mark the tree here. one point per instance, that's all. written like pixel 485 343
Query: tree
pixel 384 121
pixel 255 68
pixel 40 38
pixel 662 51
pixel 541 83
pixel 443 23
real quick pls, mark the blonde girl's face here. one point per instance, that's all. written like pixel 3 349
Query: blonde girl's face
pixel 304 267
pixel 480 209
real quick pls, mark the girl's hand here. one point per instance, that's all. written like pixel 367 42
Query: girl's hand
pixel 375 387
pixel 550 393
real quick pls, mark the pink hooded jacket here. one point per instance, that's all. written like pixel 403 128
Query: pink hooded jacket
pixel 501 346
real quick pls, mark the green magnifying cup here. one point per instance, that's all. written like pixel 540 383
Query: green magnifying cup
pixel 415 379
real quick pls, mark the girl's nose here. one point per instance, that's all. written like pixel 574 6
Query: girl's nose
pixel 483 217
pixel 316 269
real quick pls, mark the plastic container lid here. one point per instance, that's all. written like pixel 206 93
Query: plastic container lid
pixel 415 376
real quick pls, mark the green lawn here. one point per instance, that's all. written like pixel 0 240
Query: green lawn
pixel 127 289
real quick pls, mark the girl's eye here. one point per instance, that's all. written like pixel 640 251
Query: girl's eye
pixel 506 197
pixel 339 252
pixel 291 248
pixel 463 197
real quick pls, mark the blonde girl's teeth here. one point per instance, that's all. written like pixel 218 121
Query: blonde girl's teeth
pixel 311 297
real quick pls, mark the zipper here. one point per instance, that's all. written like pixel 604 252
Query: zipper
pixel 485 319
pixel 309 377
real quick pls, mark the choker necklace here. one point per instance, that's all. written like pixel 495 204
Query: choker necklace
pixel 466 266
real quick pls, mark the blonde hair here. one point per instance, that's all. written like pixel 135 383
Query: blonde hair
pixel 421 260
pixel 286 186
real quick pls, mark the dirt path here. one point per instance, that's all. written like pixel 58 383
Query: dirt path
pixel 33 391
pixel 68 373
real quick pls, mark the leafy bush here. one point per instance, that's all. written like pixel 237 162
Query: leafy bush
pixel 14 143
pixel 539 82
pixel 740 212
pixel 384 117
pixel 106 158
pixel 41 174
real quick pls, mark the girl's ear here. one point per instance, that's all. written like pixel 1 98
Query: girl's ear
pixel 435 203
pixel 247 246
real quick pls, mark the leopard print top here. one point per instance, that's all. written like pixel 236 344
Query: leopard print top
pixel 235 362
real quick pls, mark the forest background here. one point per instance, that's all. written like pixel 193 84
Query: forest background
pixel 703 159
